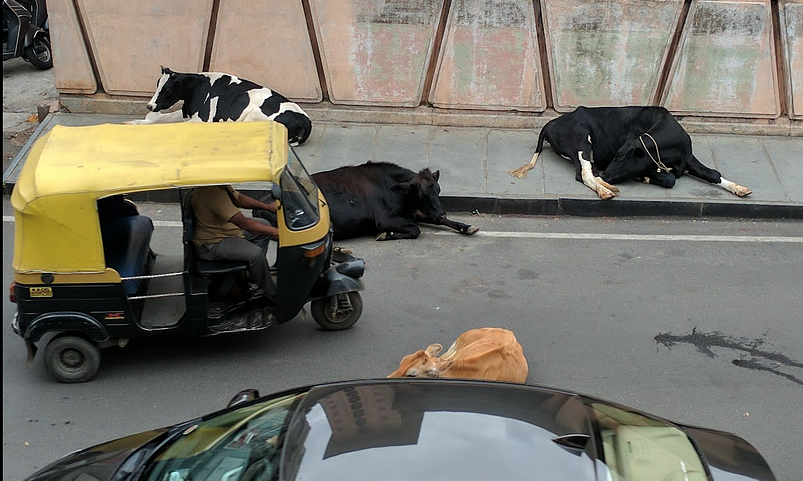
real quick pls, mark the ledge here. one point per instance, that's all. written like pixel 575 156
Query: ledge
pixel 328 112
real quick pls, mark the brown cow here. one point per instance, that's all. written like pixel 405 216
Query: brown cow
pixel 488 353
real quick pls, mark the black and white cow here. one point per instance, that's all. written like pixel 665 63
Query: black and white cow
pixel 624 143
pixel 382 199
pixel 221 97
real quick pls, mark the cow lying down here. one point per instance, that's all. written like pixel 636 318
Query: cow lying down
pixel 489 353
pixel 609 145
pixel 382 199
pixel 221 97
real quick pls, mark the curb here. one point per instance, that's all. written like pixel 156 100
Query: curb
pixel 619 207
pixel 562 206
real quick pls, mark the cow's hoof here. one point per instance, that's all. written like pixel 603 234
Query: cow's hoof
pixel 131 122
pixel 472 230
pixel 382 236
pixel 606 195
pixel 615 190
pixel 742 191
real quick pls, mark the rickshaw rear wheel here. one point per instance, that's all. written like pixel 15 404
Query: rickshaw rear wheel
pixel 333 314
pixel 72 358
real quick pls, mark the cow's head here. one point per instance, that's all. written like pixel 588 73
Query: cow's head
pixel 168 91
pixel 633 161
pixel 421 194
pixel 422 363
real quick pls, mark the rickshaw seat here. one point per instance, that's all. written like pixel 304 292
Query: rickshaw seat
pixel 126 245
pixel 219 268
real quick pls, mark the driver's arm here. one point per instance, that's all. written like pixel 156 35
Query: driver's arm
pixel 245 202
pixel 253 226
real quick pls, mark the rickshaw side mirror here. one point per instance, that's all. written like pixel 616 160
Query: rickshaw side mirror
pixel 276 191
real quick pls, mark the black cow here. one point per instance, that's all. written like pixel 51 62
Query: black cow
pixel 382 199
pixel 642 143
pixel 220 97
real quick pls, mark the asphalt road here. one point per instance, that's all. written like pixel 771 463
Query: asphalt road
pixel 697 321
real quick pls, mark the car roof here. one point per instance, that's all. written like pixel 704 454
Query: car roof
pixel 468 429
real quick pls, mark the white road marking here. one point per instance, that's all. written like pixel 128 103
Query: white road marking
pixel 576 235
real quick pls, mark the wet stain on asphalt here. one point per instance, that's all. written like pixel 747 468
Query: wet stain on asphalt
pixel 497 294
pixel 526 274
pixel 758 360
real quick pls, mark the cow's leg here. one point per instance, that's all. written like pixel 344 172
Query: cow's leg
pixel 697 169
pixel 396 228
pixel 662 179
pixel 587 174
pixel 158 118
pixel 458 226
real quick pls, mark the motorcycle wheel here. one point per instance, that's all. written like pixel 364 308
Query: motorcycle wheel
pixel 39 53
pixel 334 318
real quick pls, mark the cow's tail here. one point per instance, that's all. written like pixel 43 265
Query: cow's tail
pixel 521 172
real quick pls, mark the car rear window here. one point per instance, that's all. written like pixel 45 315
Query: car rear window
pixel 402 432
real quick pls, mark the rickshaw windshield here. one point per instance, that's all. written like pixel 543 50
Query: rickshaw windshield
pixel 299 195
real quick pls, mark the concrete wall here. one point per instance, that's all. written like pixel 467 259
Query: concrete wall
pixel 731 59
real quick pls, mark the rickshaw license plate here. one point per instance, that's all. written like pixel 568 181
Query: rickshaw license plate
pixel 41 291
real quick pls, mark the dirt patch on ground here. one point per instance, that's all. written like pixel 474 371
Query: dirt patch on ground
pixel 13 143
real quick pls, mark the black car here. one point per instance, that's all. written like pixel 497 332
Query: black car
pixel 411 429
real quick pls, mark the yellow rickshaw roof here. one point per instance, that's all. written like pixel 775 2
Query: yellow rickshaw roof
pixel 70 168
pixel 107 159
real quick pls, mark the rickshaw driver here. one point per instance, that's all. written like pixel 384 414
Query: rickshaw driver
pixel 219 232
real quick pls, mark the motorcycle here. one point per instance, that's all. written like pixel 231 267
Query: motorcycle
pixel 26 32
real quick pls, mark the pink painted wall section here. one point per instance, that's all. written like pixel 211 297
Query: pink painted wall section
pixel 726 63
pixel 607 52
pixel 490 58
pixel 376 52
pixel 73 70
pixel 274 50
pixel 791 13
pixel 131 39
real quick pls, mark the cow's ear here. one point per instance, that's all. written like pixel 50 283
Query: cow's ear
pixel 403 188
pixel 433 349
pixel 436 175
pixel 444 366
pixel 167 71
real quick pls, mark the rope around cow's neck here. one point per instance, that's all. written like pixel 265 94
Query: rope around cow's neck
pixel 657 162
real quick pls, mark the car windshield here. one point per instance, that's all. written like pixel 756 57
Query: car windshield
pixel 638 447
pixel 299 195
pixel 239 445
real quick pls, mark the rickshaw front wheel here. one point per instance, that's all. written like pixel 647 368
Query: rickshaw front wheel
pixel 338 312
pixel 72 358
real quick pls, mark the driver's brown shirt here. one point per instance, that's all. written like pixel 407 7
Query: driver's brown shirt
pixel 213 207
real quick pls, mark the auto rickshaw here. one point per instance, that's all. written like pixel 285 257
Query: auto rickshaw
pixel 85 272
